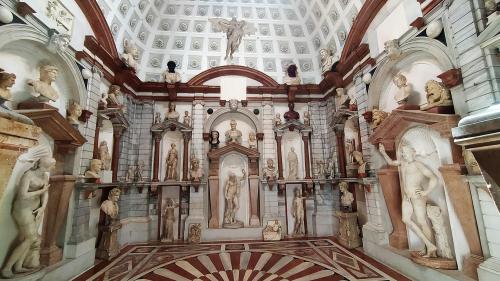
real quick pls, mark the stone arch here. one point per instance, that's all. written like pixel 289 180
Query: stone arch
pixel 233 70
pixel 417 48
pixel 12 33
pixel 219 114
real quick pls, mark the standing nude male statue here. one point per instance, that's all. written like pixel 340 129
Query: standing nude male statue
pixel 232 190
pixel 414 174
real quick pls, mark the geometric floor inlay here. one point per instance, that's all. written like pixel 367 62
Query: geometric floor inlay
pixel 299 260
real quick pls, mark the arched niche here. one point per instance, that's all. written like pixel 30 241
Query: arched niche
pixel 422 59
pixel 25 48
pixel 293 139
pixel 240 114
pixel 169 138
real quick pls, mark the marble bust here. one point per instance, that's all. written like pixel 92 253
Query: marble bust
pixel 171 76
pixel 291 76
pixel 214 139
pixel 7 80
pixel 28 209
pixel 74 112
pixel 196 170
pixel 327 60
pixel 43 90
pixel 392 49
pixel 347 197
pixel 298 213
pixel 110 206
pixel 404 92
pixel 269 171
pixel 113 93
pixel 94 169
pixel 130 54
pixel 233 135
pixel 172 114
pixel 291 114
pixel 252 140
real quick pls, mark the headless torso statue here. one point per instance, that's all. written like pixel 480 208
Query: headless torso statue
pixel 232 190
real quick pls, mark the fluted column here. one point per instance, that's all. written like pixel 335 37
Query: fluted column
pixel 156 158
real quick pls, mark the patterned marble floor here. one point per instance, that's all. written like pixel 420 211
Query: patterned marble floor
pixel 298 260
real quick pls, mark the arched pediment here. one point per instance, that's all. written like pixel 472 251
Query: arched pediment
pixel 233 70
pixel 231 148
pixel 169 125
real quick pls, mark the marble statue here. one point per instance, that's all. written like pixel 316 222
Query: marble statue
pixel 194 234
pixel 342 98
pixel 74 112
pixel 28 208
pixel 171 76
pixel 378 117
pixel 353 102
pixel 293 164
pixel 347 197
pixel 157 118
pixel 235 30
pixel 7 80
pixel 196 170
pixel 269 171
pixel 233 104
pixel 277 120
pixel 418 182
pixel 404 92
pixel 214 140
pixel 94 169
pixel 168 221
pixel 232 190
pixel 437 94
pixel 130 54
pixel 252 140
pixel 320 169
pixel 110 206
pixel 172 158
pixel 291 75
pixel 392 49
pixel 233 135
pixel 272 231
pixel 291 114
pixel 327 60
pixel 298 213
pixel 113 93
pixel 104 155
pixel 172 114
pixel 307 118
pixel 103 102
pixel 43 90
pixel 129 176
pixel 187 119
pixel 441 237
pixel 139 171
pixel 358 157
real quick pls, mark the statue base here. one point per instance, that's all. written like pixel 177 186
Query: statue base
pixel 34 104
pixel 408 107
pixel 35 275
pixel 108 246
pixel 236 224
pixel 439 263
pixel 348 229
pixel 439 109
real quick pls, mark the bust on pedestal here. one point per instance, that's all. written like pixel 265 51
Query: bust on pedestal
pixel 348 220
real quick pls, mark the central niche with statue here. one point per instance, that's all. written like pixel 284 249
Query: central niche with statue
pixel 234 176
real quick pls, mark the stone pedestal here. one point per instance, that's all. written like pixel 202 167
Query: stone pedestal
pixel 348 230
pixel 15 139
pixel 196 207
pixel 459 192
pixel 213 186
pixel 389 181
pixel 108 246
pixel 61 188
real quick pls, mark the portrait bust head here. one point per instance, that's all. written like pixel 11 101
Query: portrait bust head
pixel 292 70
pixel 171 65
pixel 7 80
pixel 48 73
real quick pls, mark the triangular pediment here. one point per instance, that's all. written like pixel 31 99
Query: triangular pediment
pixel 292 125
pixel 170 125
pixel 233 147
pixel 400 120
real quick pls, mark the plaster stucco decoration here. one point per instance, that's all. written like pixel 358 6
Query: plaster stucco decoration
pixel 302 27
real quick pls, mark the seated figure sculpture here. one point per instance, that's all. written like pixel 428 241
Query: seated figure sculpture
pixel 233 135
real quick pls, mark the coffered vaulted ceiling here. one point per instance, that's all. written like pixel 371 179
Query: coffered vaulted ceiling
pixel 288 31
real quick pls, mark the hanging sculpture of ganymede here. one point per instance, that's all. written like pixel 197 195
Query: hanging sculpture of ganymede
pixel 235 30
